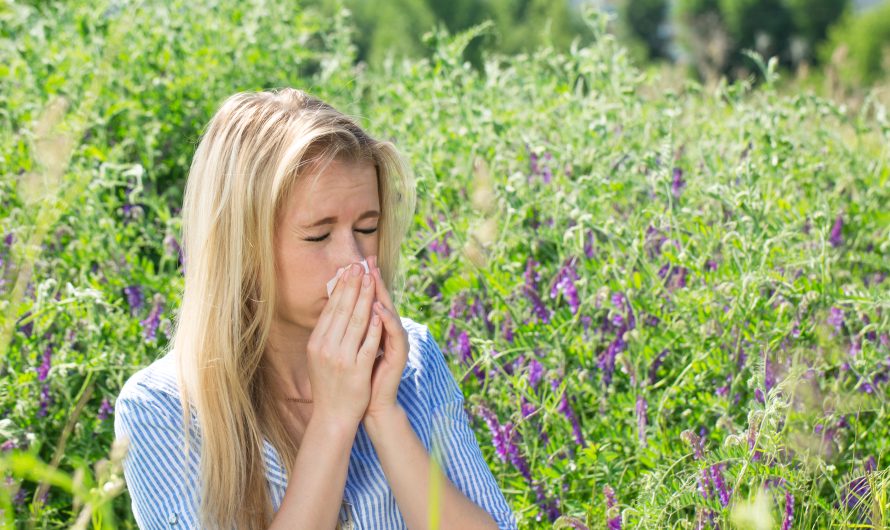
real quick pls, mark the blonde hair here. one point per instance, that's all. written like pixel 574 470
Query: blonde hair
pixel 255 148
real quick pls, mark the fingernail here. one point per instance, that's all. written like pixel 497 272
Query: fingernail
pixel 375 320
pixel 356 269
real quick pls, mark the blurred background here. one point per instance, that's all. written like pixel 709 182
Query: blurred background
pixel 833 45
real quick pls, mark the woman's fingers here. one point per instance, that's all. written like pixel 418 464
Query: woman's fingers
pixel 358 320
pixel 324 319
pixel 368 352
pixel 344 303
pixel 381 291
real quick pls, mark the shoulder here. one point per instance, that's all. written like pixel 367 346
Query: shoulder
pixel 428 364
pixel 423 348
pixel 150 396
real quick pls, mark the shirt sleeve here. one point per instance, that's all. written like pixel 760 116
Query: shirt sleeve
pixel 163 497
pixel 461 455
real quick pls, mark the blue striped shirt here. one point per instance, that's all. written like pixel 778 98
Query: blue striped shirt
pixel 165 495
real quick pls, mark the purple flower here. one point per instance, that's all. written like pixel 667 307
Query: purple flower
pixel 836 319
pixel 704 483
pixel 565 282
pixel 642 405
pixel 855 492
pixel 538 308
pixel 8 445
pixel 43 370
pixel 606 360
pixel 497 431
pixel 28 328
pixel 172 245
pixel 46 400
pixel 150 324
pixel 527 408
pixel 697 442
pixel 134 298
pixel 532 276
pixel 656 363
pixel 105 409
pixel 588 245
pixel 677 184
pixel 613 515
pixel 463 348
pixel 789 511
pixel 837 237
pixel 566 409
pixel 507 329
pixel 719 485
pixel 535 372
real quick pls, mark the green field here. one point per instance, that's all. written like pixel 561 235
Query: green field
pixel 667 304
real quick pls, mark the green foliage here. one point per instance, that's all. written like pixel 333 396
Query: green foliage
pixel 714 32
pixel 643 19
pixel 714 213
pixel 396 28
pixel 862 42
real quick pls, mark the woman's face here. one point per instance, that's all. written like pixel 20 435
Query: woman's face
pixel 341 210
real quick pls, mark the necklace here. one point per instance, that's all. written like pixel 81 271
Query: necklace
pixel 298 400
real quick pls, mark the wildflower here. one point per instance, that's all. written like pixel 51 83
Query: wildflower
pixel 789 511
pixel 704 483
pixel 656 363
pixel 45 400
pixel 677 183
pixel 697 442
pixel 150 324
pixel 497 431
pixel 538 308
pixel 531 273
pixel 588 245
pixel 565 282
pixel 28 328
pixel 613 515
pixel 43 370
pixel 836 319
pixel 566 409
pixel 507 329
pixel 134 298
pixel 837 237
pixel 606 360
pixel 642 405
pixel 172 245
pixel 719 485
pixel 855 492
pixel 535 372
pixel 105 409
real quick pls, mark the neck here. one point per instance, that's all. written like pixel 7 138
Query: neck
pixel 286 360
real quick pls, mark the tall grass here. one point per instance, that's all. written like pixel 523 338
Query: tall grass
pixel 666 307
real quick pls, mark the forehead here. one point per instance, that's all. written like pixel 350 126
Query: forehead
pixel 340 186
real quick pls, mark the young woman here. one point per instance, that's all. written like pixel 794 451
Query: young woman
pixel 272 408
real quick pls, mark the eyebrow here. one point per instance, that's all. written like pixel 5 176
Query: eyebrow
pixel 331 220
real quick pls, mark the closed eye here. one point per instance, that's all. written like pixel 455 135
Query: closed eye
pixel 322 238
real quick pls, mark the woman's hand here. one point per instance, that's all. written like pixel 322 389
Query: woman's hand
pixel 342 349
pixel 388 369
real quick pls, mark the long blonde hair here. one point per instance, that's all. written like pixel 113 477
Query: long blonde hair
pixel 256 146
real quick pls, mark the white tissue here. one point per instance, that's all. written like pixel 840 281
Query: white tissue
pixel 333 282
